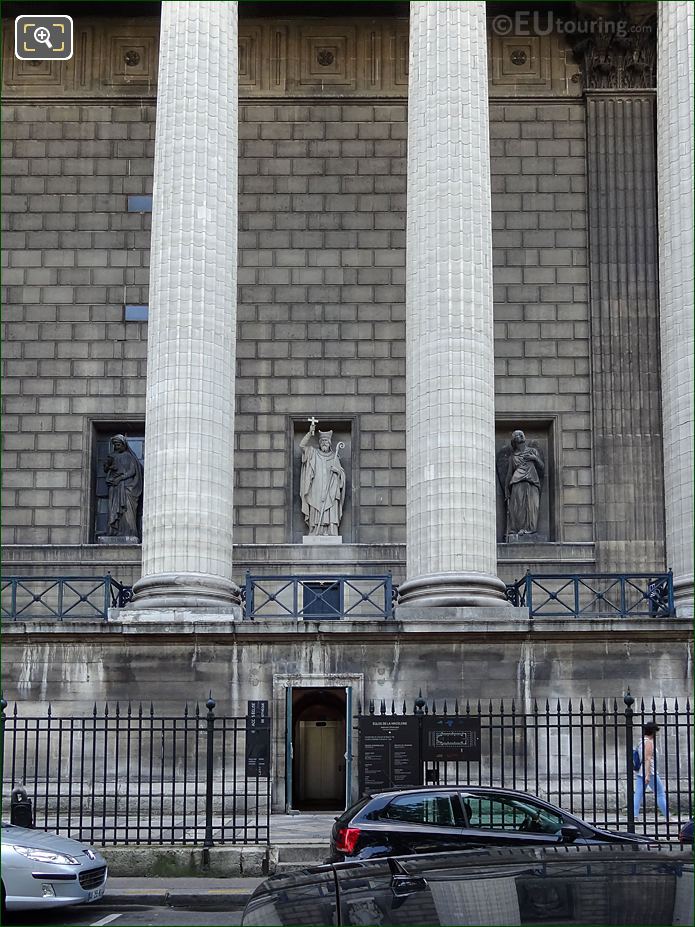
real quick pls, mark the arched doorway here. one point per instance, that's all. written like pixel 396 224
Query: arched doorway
pixel 318 748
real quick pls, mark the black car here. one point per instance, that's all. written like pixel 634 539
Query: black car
pixel 686 835
pixel 600 884
pixel 436 820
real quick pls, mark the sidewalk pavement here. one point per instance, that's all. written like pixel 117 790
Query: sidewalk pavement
pixel 310 831
pixel 218 894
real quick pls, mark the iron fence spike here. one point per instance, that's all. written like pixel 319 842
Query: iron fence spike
pixel 405 708
pixel 50 710
pixel 118 710
pixel 393 707
pixel 359 708
pixel 434 707
pixel 382 707
pixel 444 709
pixel 130 709
pixel 15 709
pixel 94 710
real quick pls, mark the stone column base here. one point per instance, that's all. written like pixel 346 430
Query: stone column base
pixel 453 589
pixel 184 590
pixel 683 593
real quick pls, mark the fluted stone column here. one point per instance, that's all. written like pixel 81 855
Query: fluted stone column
pixel 674 107
pixel 450 365
pixel 189 437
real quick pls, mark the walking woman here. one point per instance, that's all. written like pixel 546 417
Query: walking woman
pixel 647 777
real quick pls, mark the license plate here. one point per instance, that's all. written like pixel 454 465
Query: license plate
pixel 95 893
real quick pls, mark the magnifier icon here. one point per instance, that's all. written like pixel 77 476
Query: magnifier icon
pixel 42 35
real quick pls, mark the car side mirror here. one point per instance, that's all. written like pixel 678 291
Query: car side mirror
pixel 569 833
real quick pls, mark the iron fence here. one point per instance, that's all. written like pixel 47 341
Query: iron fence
pixel 32 598
pixel 135 776
pixel 319 597
pixel 575 754
pixel 594 595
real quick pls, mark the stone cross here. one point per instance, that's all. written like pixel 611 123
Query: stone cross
pixel 313 422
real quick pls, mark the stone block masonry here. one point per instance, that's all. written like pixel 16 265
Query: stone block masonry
pixel 75 256
pixel 321 313
pixel 321 298
pixel 542 347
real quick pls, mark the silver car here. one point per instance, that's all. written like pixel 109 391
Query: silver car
pixel 42 870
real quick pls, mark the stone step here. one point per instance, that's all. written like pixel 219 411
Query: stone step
pixel 303 852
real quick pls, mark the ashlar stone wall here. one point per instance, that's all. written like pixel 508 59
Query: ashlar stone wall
pixel 321 327
pixel 321 307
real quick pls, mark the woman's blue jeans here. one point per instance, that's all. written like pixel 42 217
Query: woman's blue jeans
pixel 657 786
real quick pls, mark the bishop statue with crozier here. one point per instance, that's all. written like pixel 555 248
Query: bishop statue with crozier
pixel 322 483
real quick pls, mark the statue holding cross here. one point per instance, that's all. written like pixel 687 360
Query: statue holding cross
pixel 322 482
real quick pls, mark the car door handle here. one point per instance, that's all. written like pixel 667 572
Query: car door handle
pixel 407 885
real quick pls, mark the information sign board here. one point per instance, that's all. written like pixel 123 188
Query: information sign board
pixel 450 738
pixel 389 752
pixel 257 739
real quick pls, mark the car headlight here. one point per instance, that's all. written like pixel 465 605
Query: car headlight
pixel 47 856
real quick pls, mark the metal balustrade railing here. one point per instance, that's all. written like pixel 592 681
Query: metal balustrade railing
pixel 33 598
pixel 594 595
pixel 319 597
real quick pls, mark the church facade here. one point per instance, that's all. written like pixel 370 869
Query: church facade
pixel 400 294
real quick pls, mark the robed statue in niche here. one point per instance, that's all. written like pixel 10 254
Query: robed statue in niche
pixel 520 470
pixel 124 478
pixel 322 483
